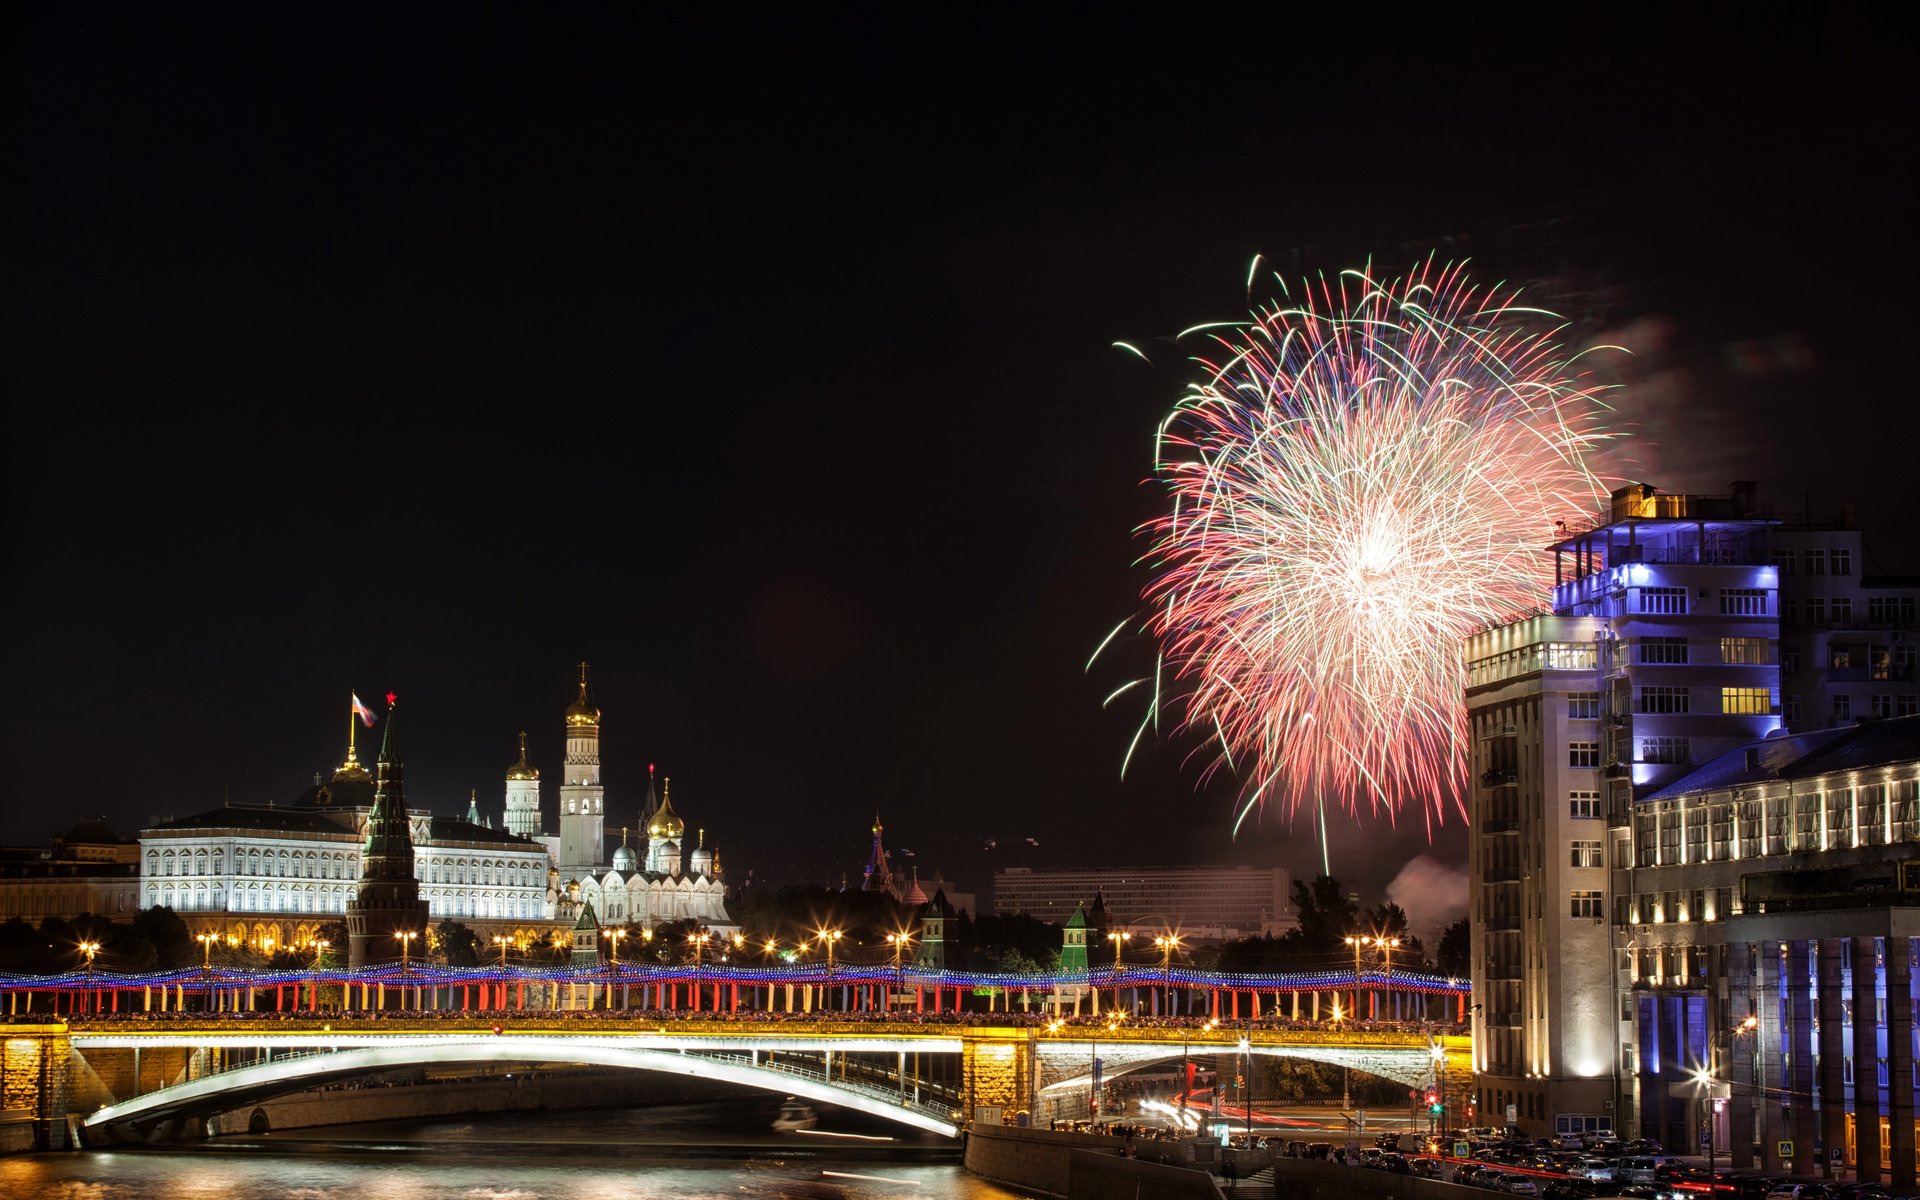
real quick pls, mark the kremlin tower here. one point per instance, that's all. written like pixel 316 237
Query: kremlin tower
pixel 582 799
pixel 387 900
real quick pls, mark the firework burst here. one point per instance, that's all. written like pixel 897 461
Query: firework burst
pixel 1362 479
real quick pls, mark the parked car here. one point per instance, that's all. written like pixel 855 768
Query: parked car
pixel 1637 1168
pixel 1425 1168
pixel 1319 1150
pixel 1592 1168
pixel 1370 1157
pixel 1521 1185
pixel 1570 1141
pixel 1395 1164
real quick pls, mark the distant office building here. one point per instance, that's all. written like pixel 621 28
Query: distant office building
pixel 88 869
pixel 1847 638
pixel 1206 903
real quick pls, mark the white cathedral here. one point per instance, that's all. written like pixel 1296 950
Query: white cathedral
pixel 673 883
pixel 271 875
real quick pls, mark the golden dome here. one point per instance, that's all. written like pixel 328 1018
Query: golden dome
pixel 523 769
pixel 665 823
pixel 581 711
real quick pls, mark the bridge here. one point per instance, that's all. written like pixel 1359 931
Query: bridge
pixel 153 1057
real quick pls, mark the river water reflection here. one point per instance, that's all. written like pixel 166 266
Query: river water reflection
pixel 687 1152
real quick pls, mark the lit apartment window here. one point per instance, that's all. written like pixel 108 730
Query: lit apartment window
pixel 1664 750
pixel 1843 562
pixel 1583 806
pixel 1587 854
pixel 1583 706
pixel 1743 602
pixel 1746 701
pixel 1571 656
pixel 1586 904
pixel 1746 651
pixel 1664 699
pixel 1666 601
pixel 1671 651
pixel 1583 754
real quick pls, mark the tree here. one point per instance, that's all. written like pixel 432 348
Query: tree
pixel 457 944
pixel 1455 952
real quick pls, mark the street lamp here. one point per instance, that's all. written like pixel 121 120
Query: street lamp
pixel 899 942
pixel 405 938
pixel 89 949
pixel 1704 1078
pixel 206 941
pixel 1750 1029
pixel 699 943
pixel 320 946
pixel 1168 943
pixel 503 943
pixel 613 938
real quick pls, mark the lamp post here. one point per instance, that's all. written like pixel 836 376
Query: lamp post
pixel 1703 1078
pixel 613 946
pixel 899 942
pixel 503 943
pixel 1168 943
pixel 1119 938
pixel 206 941
pixel 1357 942
pixel 827 938
pixel 1246 1088
pixel 1750 1029
pixel 320 947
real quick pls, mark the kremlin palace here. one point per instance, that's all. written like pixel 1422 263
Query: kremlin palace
pixel 272 875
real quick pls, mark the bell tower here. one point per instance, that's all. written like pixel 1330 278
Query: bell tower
pixel 582 800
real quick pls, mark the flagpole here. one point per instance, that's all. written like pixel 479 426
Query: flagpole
pixel 353 719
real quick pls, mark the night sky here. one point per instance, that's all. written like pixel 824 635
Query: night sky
pixel 766 364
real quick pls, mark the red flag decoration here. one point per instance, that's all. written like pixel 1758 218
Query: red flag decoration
pixel 363 712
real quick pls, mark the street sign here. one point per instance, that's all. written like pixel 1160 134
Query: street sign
pixel 1785 1149
pixel 1706 1136
pixel 1513 1114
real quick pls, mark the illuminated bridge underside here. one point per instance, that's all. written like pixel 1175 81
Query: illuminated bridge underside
pixel 325 1058
pixel 1066 1066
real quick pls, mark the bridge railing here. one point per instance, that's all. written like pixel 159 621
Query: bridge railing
pixel 816 975
pixel 945 1107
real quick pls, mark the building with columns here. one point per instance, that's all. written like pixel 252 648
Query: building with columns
pixel 1771 917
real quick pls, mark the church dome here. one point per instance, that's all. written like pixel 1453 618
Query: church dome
pixel 665 823
pixel 625 860
pixel 522 769
pixel 582 711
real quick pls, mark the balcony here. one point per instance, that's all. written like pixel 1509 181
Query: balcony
pixel 1505 731
pixel 1500 778
pixel 1500 875
pixel 1616 770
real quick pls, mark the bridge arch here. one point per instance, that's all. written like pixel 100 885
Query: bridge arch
pixel 165 1108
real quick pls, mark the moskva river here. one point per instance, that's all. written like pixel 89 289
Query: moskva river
pixel 712 1149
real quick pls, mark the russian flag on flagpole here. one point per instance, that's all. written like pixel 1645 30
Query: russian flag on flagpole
pixel 363 712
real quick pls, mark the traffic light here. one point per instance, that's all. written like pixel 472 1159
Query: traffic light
pixel 1433 1101
pixel 1240 1083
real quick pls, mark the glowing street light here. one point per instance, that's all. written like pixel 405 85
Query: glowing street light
pixel 405 938
pixel 699 943
pixel 503 943
pixel 827 938
pixel 1119 938
pixel 320 946
pixel 206 941
pixel 613 940
pixel 89 949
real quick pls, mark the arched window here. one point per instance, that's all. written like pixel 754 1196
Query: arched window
pixel 219 862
